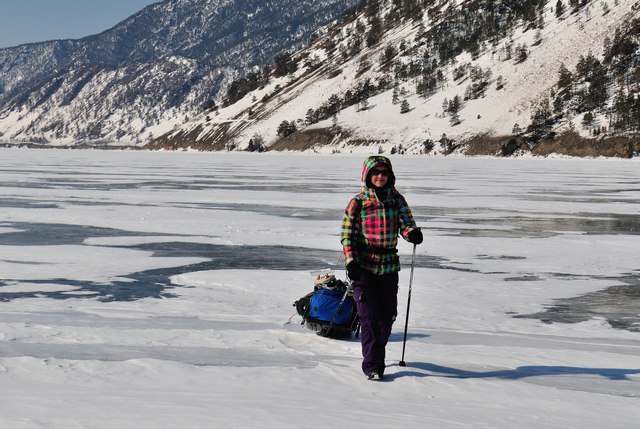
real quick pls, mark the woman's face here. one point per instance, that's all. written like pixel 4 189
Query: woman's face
pixel 379 176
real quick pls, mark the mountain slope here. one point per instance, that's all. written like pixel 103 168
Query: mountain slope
pixel 148 73
pixel 499 61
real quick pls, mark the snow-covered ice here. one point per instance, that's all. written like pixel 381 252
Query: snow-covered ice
pixel 153 290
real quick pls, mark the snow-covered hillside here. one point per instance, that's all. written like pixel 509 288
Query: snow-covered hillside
pixel 153 71
pixel 514 87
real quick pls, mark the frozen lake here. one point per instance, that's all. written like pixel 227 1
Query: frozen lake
pixel 114 199
pixel 171 269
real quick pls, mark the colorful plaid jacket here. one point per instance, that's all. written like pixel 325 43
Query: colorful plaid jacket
pixel 372 221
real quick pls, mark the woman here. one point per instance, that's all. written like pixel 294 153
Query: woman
pixel 372 222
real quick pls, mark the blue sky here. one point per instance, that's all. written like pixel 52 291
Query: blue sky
pixel 26 21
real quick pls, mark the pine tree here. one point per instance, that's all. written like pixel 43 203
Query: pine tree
pixel 373 8
pixel 558 104
pixel 565 78
pixel 375 32
pixel 521 54
pixel 284 64
pixel 587 119
pixel 395 98
pixel 454 105
pixel 591 70
pixel 286 128
pixel 559 8
pixel 540 120
pixel 565 83
pixel 516 129
pixel 404 106
pixel 310 118
pixel 256 144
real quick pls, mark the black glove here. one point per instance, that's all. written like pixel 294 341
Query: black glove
pixel 353 271
pixel 415 236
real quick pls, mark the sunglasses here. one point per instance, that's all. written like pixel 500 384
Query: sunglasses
pixel 377 171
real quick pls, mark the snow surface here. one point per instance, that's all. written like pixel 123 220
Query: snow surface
pixel 153 290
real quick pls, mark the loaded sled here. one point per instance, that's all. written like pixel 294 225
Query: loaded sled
pixel 330 309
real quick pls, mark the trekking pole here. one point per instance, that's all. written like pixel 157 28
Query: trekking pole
pixel 406 323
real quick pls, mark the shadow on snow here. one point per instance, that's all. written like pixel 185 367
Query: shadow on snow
pixel 521 372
